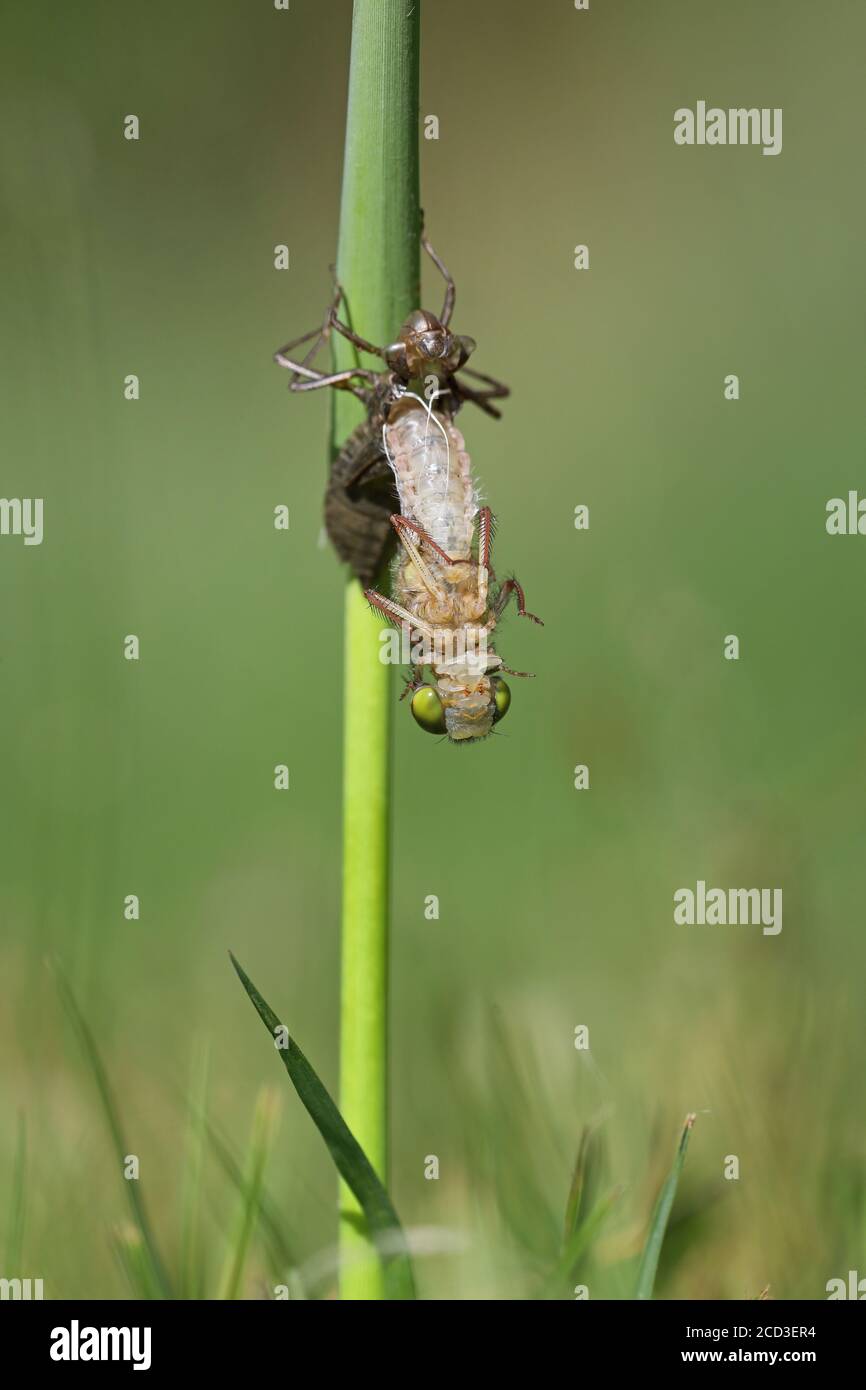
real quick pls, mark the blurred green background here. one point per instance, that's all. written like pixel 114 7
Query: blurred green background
pixel 707 518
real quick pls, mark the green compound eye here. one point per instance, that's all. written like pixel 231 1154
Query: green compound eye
pixel 501 699
pixel 427 710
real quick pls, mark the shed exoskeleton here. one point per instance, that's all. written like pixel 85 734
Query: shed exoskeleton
pixel 360 495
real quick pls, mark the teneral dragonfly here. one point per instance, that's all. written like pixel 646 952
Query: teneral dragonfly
pixel 442 595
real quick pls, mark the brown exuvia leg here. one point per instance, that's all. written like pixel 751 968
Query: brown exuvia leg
pixel 464 392
pixel 496 391
pixel 312 381
pixel 339 379
pixel 450 287
pixel 360 343
pixel 305 378
pixel 321 336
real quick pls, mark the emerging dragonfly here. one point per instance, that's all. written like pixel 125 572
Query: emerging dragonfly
pixel 441 596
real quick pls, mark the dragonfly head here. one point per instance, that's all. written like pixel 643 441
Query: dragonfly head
pixel 466 715
pixel 426 346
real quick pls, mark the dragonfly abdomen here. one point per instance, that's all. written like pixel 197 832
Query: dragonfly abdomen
pixel 434 476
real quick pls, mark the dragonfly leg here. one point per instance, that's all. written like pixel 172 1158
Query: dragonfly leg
pixel 413 682
pixel 450 287
pixel 510 587
pixel 410 537
pixel 402 524
pixel 530 675
pixel 396 613
pixel 485 545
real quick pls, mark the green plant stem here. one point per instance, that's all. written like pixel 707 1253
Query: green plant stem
pixel 378 267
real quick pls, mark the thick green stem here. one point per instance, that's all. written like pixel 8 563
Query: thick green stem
pixel 377 264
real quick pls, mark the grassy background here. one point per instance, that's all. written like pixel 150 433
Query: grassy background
pixel 707 518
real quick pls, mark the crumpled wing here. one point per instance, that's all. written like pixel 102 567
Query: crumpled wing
pixel 360 499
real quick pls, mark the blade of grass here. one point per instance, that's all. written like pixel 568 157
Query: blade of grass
pixel 192 1277
pixel 378 267
pixel 577 1245
pixel 112 1115
pixel 15 1228
pixel 584 1183
pixel 658 1222
pixel 132 1253
pixel 282 1259
pixel 248 1211
pixel 349 1158
pixel 516 1106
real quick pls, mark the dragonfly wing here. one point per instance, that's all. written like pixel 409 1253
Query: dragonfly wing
pixel 359 501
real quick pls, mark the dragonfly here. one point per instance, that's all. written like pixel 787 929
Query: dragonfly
pixel 445 596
